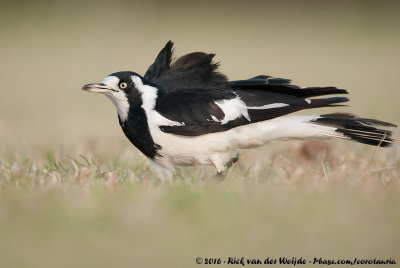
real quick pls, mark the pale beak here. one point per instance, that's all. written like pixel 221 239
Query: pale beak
pixel 97 88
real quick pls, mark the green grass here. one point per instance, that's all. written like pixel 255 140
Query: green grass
pixel 79 212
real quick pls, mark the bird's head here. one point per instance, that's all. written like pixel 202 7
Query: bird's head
pixel 119 88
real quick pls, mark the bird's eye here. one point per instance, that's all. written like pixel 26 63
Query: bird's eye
pixel 123 85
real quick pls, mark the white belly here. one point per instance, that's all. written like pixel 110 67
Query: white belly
pixel 186 151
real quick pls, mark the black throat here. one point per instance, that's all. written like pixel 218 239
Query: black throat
pixel 137 130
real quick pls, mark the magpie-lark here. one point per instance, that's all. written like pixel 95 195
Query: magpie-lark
pixel 185 112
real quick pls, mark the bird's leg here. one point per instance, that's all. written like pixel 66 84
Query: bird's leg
pixel 232 161
pixel 218 162
pixel 222 167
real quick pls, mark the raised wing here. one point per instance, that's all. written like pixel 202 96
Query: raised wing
pixel 199 112
pixel 193 93
pixel 161 64
pixel 192 71
pixel 198 71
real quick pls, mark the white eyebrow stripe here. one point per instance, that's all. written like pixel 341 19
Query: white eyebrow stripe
pixel 111 81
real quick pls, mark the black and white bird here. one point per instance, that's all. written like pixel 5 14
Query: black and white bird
pixel 185 112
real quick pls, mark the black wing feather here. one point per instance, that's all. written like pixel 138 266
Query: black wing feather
pixel 161 64
pixel 281 85
pixel 192 71
pixel 197 109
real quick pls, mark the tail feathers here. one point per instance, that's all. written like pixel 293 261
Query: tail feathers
pixel 359 129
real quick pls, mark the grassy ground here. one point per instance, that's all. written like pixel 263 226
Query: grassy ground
pixel 75 193
pixel 80 212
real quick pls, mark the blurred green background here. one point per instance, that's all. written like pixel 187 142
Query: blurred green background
pixel 56 213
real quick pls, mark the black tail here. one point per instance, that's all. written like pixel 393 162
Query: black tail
pixel 359 129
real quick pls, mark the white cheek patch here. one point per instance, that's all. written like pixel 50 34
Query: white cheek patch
pixel 149 96
pixel 118 97
pixel 121 102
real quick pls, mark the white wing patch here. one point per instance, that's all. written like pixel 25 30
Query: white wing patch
pixel 233 108
pixel 149 96
pixel 268 106
pixel 236 108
